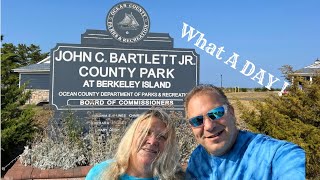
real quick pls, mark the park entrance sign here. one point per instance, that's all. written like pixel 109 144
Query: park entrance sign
pixel 122 71
pixel 102 78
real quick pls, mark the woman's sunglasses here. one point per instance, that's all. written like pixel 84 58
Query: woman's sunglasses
pixel 213 114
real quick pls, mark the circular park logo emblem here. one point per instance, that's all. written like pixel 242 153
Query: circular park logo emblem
pixel 128 22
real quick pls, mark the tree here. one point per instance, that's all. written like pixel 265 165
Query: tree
pixel 287 71
pixel 25 55
pixel 294 117
pixel 17 126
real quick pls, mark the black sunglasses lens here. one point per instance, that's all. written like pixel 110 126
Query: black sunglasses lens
pixel 212 116
pixel 196 121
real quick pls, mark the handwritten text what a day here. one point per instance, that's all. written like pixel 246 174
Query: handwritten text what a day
pixel 248 69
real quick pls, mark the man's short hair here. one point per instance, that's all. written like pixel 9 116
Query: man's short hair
pixel 205 89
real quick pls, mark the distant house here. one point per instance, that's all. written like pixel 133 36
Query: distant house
pixel 309 71
pixel 37 78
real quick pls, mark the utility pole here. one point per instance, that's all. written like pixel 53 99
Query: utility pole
pixel 221 81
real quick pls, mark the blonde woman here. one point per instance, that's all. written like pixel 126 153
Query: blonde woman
pixel 147 151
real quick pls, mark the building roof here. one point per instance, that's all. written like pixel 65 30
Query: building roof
pixel 309 70
pixel 42 66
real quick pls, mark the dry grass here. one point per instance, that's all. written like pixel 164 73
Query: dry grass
pixel 246 99
pixel 42 116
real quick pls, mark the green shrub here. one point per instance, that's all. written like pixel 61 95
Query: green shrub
pixel 294 117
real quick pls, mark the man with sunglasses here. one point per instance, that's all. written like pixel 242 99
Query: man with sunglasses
pixel 228 153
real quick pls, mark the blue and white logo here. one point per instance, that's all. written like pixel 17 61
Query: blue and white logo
pixel 128 22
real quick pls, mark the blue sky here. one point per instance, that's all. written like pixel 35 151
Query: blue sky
pixel 269 34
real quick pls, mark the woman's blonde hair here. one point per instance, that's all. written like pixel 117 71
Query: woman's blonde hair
pixel 167 162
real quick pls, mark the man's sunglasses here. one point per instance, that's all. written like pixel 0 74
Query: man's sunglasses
pixel 213 114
